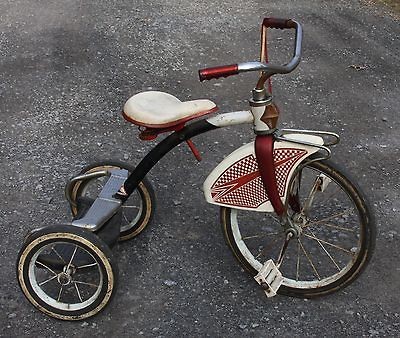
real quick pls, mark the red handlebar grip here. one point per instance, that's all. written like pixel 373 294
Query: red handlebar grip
pixel 216 72
pixel 278 23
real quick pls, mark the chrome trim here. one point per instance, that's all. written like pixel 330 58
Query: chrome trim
pixel 84 177
pixel 328 151
pixel 251 66
pixel 105 205
pixel 315 132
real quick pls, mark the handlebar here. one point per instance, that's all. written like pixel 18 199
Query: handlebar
pixel 219 71
pixel 267 68
pixel 279 23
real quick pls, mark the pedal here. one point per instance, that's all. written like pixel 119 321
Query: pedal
pixel 270 278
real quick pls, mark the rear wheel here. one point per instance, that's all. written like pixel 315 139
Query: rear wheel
pixel 334 239
pixel 136 212
pixel 66 272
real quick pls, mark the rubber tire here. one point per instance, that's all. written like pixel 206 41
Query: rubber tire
pixel 87 240
pixel 144 188
pixel 367 246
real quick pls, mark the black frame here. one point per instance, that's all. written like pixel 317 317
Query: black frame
pixel 161 149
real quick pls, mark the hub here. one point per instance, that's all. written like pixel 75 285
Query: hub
pixel 64 278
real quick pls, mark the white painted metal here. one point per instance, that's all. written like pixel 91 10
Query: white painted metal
pixel 231 119
pixel 259 125
pixel 248 149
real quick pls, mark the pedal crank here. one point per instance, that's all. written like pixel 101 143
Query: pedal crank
pixel 270 278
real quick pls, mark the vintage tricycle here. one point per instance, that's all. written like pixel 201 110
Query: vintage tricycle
pixel 295 221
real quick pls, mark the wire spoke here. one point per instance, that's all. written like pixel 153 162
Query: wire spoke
pixel 327 197
pixel 47 280
pixel 59 294
pixel 59 256
pixel 72 257
pixel 327 218
pixel 77 291
pixel 339 227
pixel 87 265
pixel 86 283
pixel 326 251
pixel 328 243
pixel 274 240
pixel 261 252
pixel 261 235
pixel 309 260
pixel 311 195
pixel 298 261
pixel 285 244
pixel 130 207
pixel 276 219
pixel 46 267
pixel 123 214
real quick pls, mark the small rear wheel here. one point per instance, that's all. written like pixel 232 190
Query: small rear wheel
pixel 66 272
pixel 138 209
pixel 335 233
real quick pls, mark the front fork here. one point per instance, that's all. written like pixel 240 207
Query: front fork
pixel 294 222
pixel 269 276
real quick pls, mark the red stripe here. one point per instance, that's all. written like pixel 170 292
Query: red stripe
pixel 264 149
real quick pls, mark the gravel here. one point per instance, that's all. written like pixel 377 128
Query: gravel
pixel 66 69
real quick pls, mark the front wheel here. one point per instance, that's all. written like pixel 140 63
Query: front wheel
pixel 335 233
pixel 66 272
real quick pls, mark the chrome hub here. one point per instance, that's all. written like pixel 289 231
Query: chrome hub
pixel 64 278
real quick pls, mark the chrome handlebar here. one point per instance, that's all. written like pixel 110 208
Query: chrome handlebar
pixel 268 69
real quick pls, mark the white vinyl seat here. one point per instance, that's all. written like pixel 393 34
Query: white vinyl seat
pixel 155 109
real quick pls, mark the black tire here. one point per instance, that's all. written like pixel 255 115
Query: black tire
pixel 66 272
pixel 136 212
pixel 328 264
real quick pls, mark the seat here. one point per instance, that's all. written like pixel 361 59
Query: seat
pixel 153 109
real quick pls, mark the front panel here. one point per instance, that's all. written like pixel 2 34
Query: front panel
pixel 236 181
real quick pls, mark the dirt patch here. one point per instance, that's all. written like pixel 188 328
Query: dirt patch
pixel 393 6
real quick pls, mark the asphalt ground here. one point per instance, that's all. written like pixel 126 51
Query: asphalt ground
pixel 66 69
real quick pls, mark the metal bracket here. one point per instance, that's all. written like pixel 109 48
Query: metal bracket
pixel 336 137
pixel 280 135
pixel 105 206
pixel 83 177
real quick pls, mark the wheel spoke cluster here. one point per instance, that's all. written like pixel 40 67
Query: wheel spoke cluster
pixel 70 276
pixel 328 232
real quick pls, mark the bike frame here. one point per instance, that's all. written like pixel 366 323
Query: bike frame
pixel 177 137
pixel 263 115
pixel 308 144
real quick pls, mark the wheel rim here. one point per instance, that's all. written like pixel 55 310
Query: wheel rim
pixel 131 211
pixel 71 284
pixel 327 248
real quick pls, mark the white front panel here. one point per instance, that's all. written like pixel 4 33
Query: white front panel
pixel 236 181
